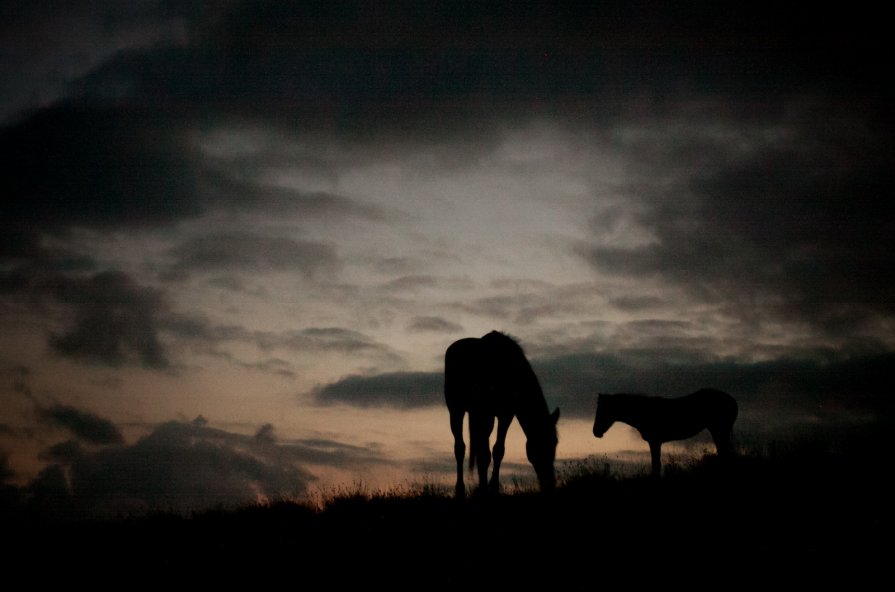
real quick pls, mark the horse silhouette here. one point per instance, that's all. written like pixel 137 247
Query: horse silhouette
pixel 663 419
pixel 490 378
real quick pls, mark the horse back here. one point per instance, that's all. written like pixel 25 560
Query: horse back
pixel 665 419
pixel 470 378
pixel 489 376
pixel 462 370
pixel 715 408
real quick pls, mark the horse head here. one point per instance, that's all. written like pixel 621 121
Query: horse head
pixel 540 448
pixel 605 416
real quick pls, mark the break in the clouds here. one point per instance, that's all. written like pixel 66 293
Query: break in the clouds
pixel 254 253
pixel 256 179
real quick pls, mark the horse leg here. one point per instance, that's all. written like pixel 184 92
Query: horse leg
pixel 655 452
pixel 503 424
pixel 459 451
pixel 723 442
pixel 480 429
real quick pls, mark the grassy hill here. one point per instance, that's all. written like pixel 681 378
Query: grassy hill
pixel 798 516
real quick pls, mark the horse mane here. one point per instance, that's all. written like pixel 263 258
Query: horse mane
pixel 507 348
pixel 505 340
pixel 513 354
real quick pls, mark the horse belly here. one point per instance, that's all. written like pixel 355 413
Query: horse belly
pixel 682 431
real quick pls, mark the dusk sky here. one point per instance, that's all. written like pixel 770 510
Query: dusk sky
pixel 238 236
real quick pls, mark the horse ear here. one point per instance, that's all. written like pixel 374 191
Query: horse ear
pixel 555 415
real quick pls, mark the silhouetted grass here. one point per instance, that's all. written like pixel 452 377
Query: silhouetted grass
pixel 804 513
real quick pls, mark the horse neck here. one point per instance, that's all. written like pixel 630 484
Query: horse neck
pixel 531 410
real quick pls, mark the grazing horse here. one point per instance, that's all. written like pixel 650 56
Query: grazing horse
pixel 662 419
pixel 490 378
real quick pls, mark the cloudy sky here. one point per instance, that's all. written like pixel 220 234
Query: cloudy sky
pixel 241 234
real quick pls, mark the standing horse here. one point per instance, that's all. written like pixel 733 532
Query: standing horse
pixel 661 419
pixel 489 378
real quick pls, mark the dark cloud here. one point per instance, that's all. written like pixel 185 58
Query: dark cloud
pixel 120 151
pixel 77 166
pixel 774 394
pixel 46 47
pixel 110 318
pixel 212 469
pixel 352 67
pixel 115 320
pixel 247 251
pixel 793 219
pixel 405 390
pixel 181 467
pixel 6 471
pixel 185 467
pixel 266 433
pixel 65 453
pixel 84 425
pixel 402 57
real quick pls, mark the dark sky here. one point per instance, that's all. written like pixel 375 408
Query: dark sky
pixel 276 216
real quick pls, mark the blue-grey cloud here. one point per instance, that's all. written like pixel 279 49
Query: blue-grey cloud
pixel 404 390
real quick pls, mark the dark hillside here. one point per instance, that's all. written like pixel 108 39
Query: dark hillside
pixel 802 517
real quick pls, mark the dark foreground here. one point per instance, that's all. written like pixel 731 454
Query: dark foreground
pixel 760 522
